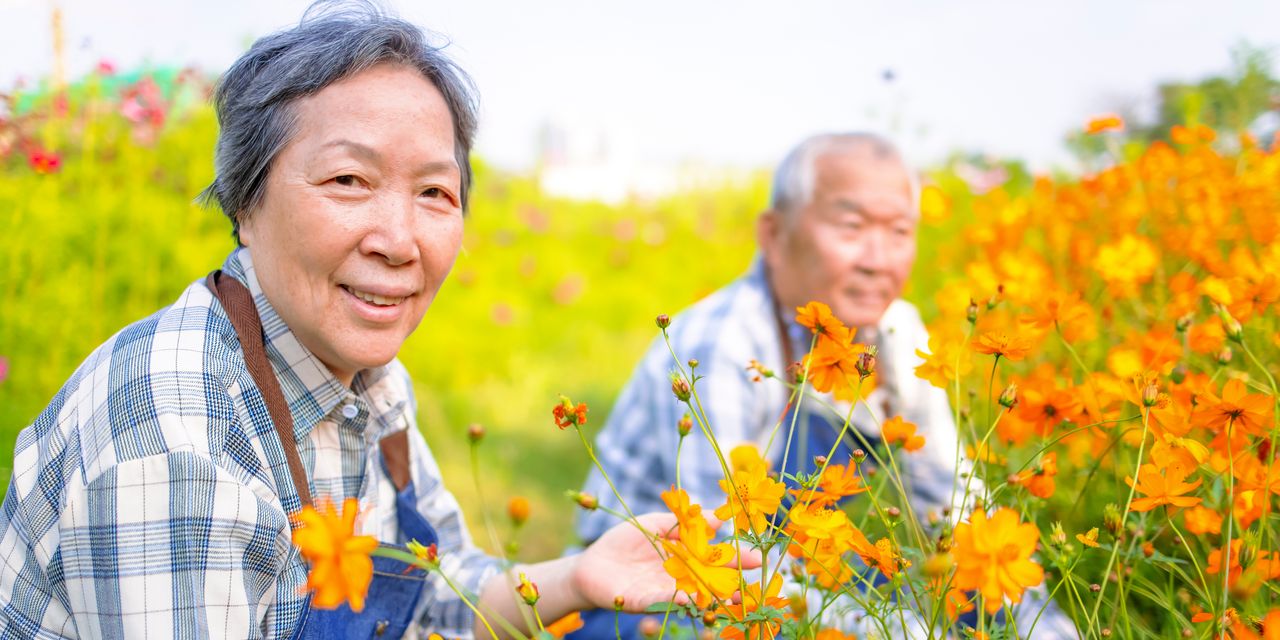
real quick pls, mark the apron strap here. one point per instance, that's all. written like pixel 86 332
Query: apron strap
pixel 238 302
pixel 395 456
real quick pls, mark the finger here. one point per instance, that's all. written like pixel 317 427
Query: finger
pixel 749 559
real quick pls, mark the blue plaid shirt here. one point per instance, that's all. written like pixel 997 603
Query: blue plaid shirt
pixel 150 499
pixel 724 332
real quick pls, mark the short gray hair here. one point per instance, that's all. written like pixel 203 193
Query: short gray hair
pixel 793 181
pixel 255 98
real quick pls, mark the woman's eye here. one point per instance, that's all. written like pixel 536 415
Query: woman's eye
pixel 433 192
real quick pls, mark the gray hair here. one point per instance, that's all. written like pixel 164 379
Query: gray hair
pixel 793 182
pixel 255 98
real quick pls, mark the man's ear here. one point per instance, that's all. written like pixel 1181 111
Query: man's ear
pixel 769 233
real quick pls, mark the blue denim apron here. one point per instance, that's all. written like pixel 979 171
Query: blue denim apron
pixel 394 592
pixel 396 587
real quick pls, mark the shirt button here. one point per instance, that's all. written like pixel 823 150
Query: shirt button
pixel 350 411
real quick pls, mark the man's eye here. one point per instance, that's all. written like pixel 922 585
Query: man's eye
pixel 346 180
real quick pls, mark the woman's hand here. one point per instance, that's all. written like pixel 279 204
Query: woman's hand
pixel 622 562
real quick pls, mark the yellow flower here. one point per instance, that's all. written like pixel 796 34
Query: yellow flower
pixel 697 565
pixel 1088 539
pixel 341 569
pixel 994 556
pixel 1130 261
pixel 753 496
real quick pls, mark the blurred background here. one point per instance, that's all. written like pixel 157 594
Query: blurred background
pixel 623 156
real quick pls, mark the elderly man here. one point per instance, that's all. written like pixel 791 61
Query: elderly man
pixel 155 496
pixel 840 229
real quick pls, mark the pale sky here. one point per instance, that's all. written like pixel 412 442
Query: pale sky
pixel 666 82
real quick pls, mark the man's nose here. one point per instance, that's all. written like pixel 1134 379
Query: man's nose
pixel 874 254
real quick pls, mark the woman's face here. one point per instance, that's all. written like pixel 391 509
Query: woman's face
pixel 362 217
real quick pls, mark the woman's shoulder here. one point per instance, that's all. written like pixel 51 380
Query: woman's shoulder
pixel 160 384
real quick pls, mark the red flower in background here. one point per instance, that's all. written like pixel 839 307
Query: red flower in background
pixel 44 161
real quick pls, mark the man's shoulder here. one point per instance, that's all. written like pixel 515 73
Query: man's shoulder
pixel 157 385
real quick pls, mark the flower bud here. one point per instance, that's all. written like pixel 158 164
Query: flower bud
pixel 680 387
pixel 528 591
pixel 693 363
pixel 1230 325
pixel 1178 374
pixel 1009 396
pixel 859 455
pixel 518 510
pixel 649 627
pixel 799 606
pixel 663 321
pixel 1111 519
pixel 1148 549
pixel 1095 587
pixel 818 461
pixel 585 500
pixel 971 312
pixel 709 618
pixel 1183 322
pixel 1056 535
pixel 685 425
pixel 1224 356
pixel 475 432
pixel 618 603
pixel 893 512
pixel 1248 549
pixel 866 362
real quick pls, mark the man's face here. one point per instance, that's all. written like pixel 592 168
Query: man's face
pixel 362 217
pixel 852 245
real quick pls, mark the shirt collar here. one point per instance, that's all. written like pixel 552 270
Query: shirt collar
pixel 311 390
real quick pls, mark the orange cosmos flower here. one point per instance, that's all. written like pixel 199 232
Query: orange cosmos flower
pixel 832 366
pixel 1200 520
pixel 753 496
pixel 896 429
pixel 566 625
pixel 833 634
pixel 1108 122
pixel 838 481
pixel 1013 346
pixel 697 565
pixel 341 569
pixel 817 317
pixel 518 510
pixel 1163 488
pixel 880 555
pixel 994 556
pixel 567 415
pixel 1040 481
pixel 1250 411
pixel 1065 312
pixel 752 599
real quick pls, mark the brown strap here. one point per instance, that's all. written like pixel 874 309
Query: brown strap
pixel 238 302
pixel 395 455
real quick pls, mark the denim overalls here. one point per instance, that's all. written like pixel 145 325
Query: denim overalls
pixel 397 587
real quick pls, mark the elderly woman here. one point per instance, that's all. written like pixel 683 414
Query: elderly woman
pixel 152 498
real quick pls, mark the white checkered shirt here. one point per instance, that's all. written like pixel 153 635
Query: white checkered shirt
pixel 149 499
